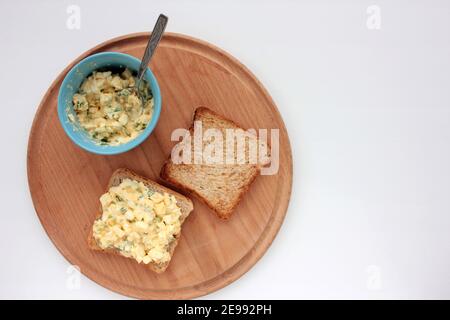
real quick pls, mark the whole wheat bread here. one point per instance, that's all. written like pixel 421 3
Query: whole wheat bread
pixel 184 203
pixel 220 186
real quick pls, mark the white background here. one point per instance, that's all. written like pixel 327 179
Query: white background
pixel 367 111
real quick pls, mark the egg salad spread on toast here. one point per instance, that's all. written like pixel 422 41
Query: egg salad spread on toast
pixel 138 222
pixel 110 110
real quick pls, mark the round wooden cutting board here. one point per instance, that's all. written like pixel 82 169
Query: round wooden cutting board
pixel 66 182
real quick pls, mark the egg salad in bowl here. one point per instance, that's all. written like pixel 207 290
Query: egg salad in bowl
pixel 109 108
pixel 137 222
pixel 99 107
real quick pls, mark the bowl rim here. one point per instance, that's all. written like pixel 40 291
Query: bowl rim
pixel 107 149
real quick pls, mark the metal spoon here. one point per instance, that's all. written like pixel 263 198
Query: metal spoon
pixel 153 42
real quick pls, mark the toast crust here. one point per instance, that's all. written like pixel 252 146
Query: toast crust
pixel 185 204
pixel 167 176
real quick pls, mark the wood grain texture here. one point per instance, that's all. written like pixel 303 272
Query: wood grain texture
pixel 66 182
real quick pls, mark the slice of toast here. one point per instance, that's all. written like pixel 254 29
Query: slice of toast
pixel 184 203
pixel 220 186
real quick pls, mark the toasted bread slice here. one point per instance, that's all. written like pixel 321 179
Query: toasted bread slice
pixel 220 186
pixel 184 203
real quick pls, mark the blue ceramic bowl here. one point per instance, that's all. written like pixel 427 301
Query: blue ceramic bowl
pixel 72 83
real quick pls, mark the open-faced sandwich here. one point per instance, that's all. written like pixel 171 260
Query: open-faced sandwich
pixel 139 219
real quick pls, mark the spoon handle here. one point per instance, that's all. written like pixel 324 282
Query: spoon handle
pixel 155 37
